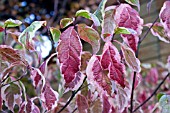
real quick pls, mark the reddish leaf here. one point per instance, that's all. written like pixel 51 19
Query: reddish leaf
pixel 36 77
pixel 130 58
pixel 76 82
pixel 109 23
pixel 9 54
pixel 82 103
pixel 111 61
pixel 106 104
pixel 29 107
pixel 128 17
pixel 12 94
pixel 1 29
pixel 89 35
pixel 152 76
pixel 69 51
pixel 164 16
pixel 98 76
pixel 138 79
pixel 49 97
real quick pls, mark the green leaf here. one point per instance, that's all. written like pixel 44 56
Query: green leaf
pixel 83 13
pixel 66 22
pixel 100 10
pixel 29 32
pixel 12 23
pixel 164 102
pixel 89 35
pixel 123 30
pixel 55 34
pixel 159 95
pixel 134 2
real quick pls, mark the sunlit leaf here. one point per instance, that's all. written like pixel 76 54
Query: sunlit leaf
pixel 134 2
pixel 12 94
pixel 100 10
pixel 12 23
pixel 83 13
pixel 55 34
pixel 89 35
pixel 26 36
pixel 164 102
pixel 66 22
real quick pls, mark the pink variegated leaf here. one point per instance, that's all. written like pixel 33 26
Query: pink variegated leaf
pixel 152 76
pixel 82 103
pixel 29 107
pixel 89 35
pixel 76 82
pixel 159 31
pixel 128 17
pixel 49 97
pixel 106 104
pixel 69 54
pixel 164 17
pixel 12 94
pixel 97 76
pixel 111 61
pixel 109 24
pixel 11 55
pixel 122 99
pixel 130 58
pixel 131 40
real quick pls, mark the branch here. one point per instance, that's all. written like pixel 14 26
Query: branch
pixel 154 92
pixel 72 96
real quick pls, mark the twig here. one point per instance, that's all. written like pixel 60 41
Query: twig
pixel 72 96
pixel 141 39
pixel 13 81
pixel 133 87
pixel 154 92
